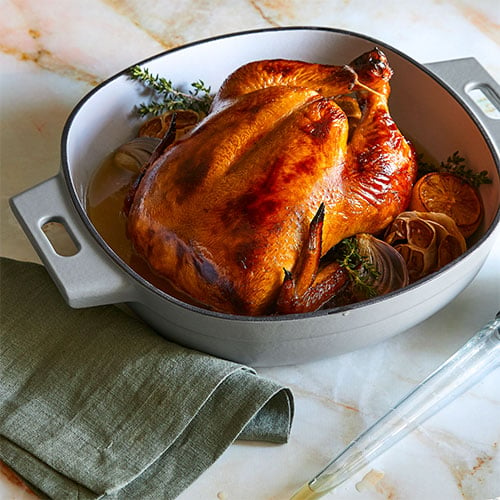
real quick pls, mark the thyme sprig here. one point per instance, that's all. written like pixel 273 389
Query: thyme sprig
pixel 169 98
pixel 455 164
pixel 362 272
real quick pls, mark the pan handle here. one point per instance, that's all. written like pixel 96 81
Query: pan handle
pixel 477 88
pixel 86 278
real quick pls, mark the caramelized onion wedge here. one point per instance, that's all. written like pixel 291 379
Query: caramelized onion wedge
pixel 426 240
pixel 392 272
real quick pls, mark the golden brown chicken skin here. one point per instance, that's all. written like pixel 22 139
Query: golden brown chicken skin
pixel 292 158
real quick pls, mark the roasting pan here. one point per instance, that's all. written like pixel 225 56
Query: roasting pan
pixel 444 106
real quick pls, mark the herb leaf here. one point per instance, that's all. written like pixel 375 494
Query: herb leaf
pixel 362 272
pixel 169 98
pixel 455 164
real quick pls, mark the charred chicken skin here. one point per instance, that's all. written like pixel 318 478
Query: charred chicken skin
pixel 292 158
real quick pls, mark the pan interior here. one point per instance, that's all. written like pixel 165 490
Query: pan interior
pixel 424 110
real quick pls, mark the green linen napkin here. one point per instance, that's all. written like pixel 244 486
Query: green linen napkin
pixel 94 404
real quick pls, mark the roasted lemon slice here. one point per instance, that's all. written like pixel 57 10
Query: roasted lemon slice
pixel 447 193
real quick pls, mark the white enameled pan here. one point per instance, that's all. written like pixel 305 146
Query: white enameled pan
pixel 436 105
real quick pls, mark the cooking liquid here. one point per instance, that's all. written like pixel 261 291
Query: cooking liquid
pixel 105 200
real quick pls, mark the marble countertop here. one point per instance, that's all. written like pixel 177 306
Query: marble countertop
pixel 53 52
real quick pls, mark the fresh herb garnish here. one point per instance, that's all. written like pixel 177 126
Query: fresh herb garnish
pixel 362 272
pixel 455 164
pixel 169 98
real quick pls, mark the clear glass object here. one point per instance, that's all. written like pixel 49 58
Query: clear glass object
pixel 468 365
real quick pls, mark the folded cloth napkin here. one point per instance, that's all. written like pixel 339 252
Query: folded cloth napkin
pixel 94 404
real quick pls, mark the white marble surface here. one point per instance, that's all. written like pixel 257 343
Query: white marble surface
pixel 53 52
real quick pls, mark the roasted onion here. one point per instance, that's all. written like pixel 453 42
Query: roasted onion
pixel 391 270
pixel 185 120
pixel 134 154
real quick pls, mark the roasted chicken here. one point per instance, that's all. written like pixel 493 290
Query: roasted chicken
pixel 292 158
